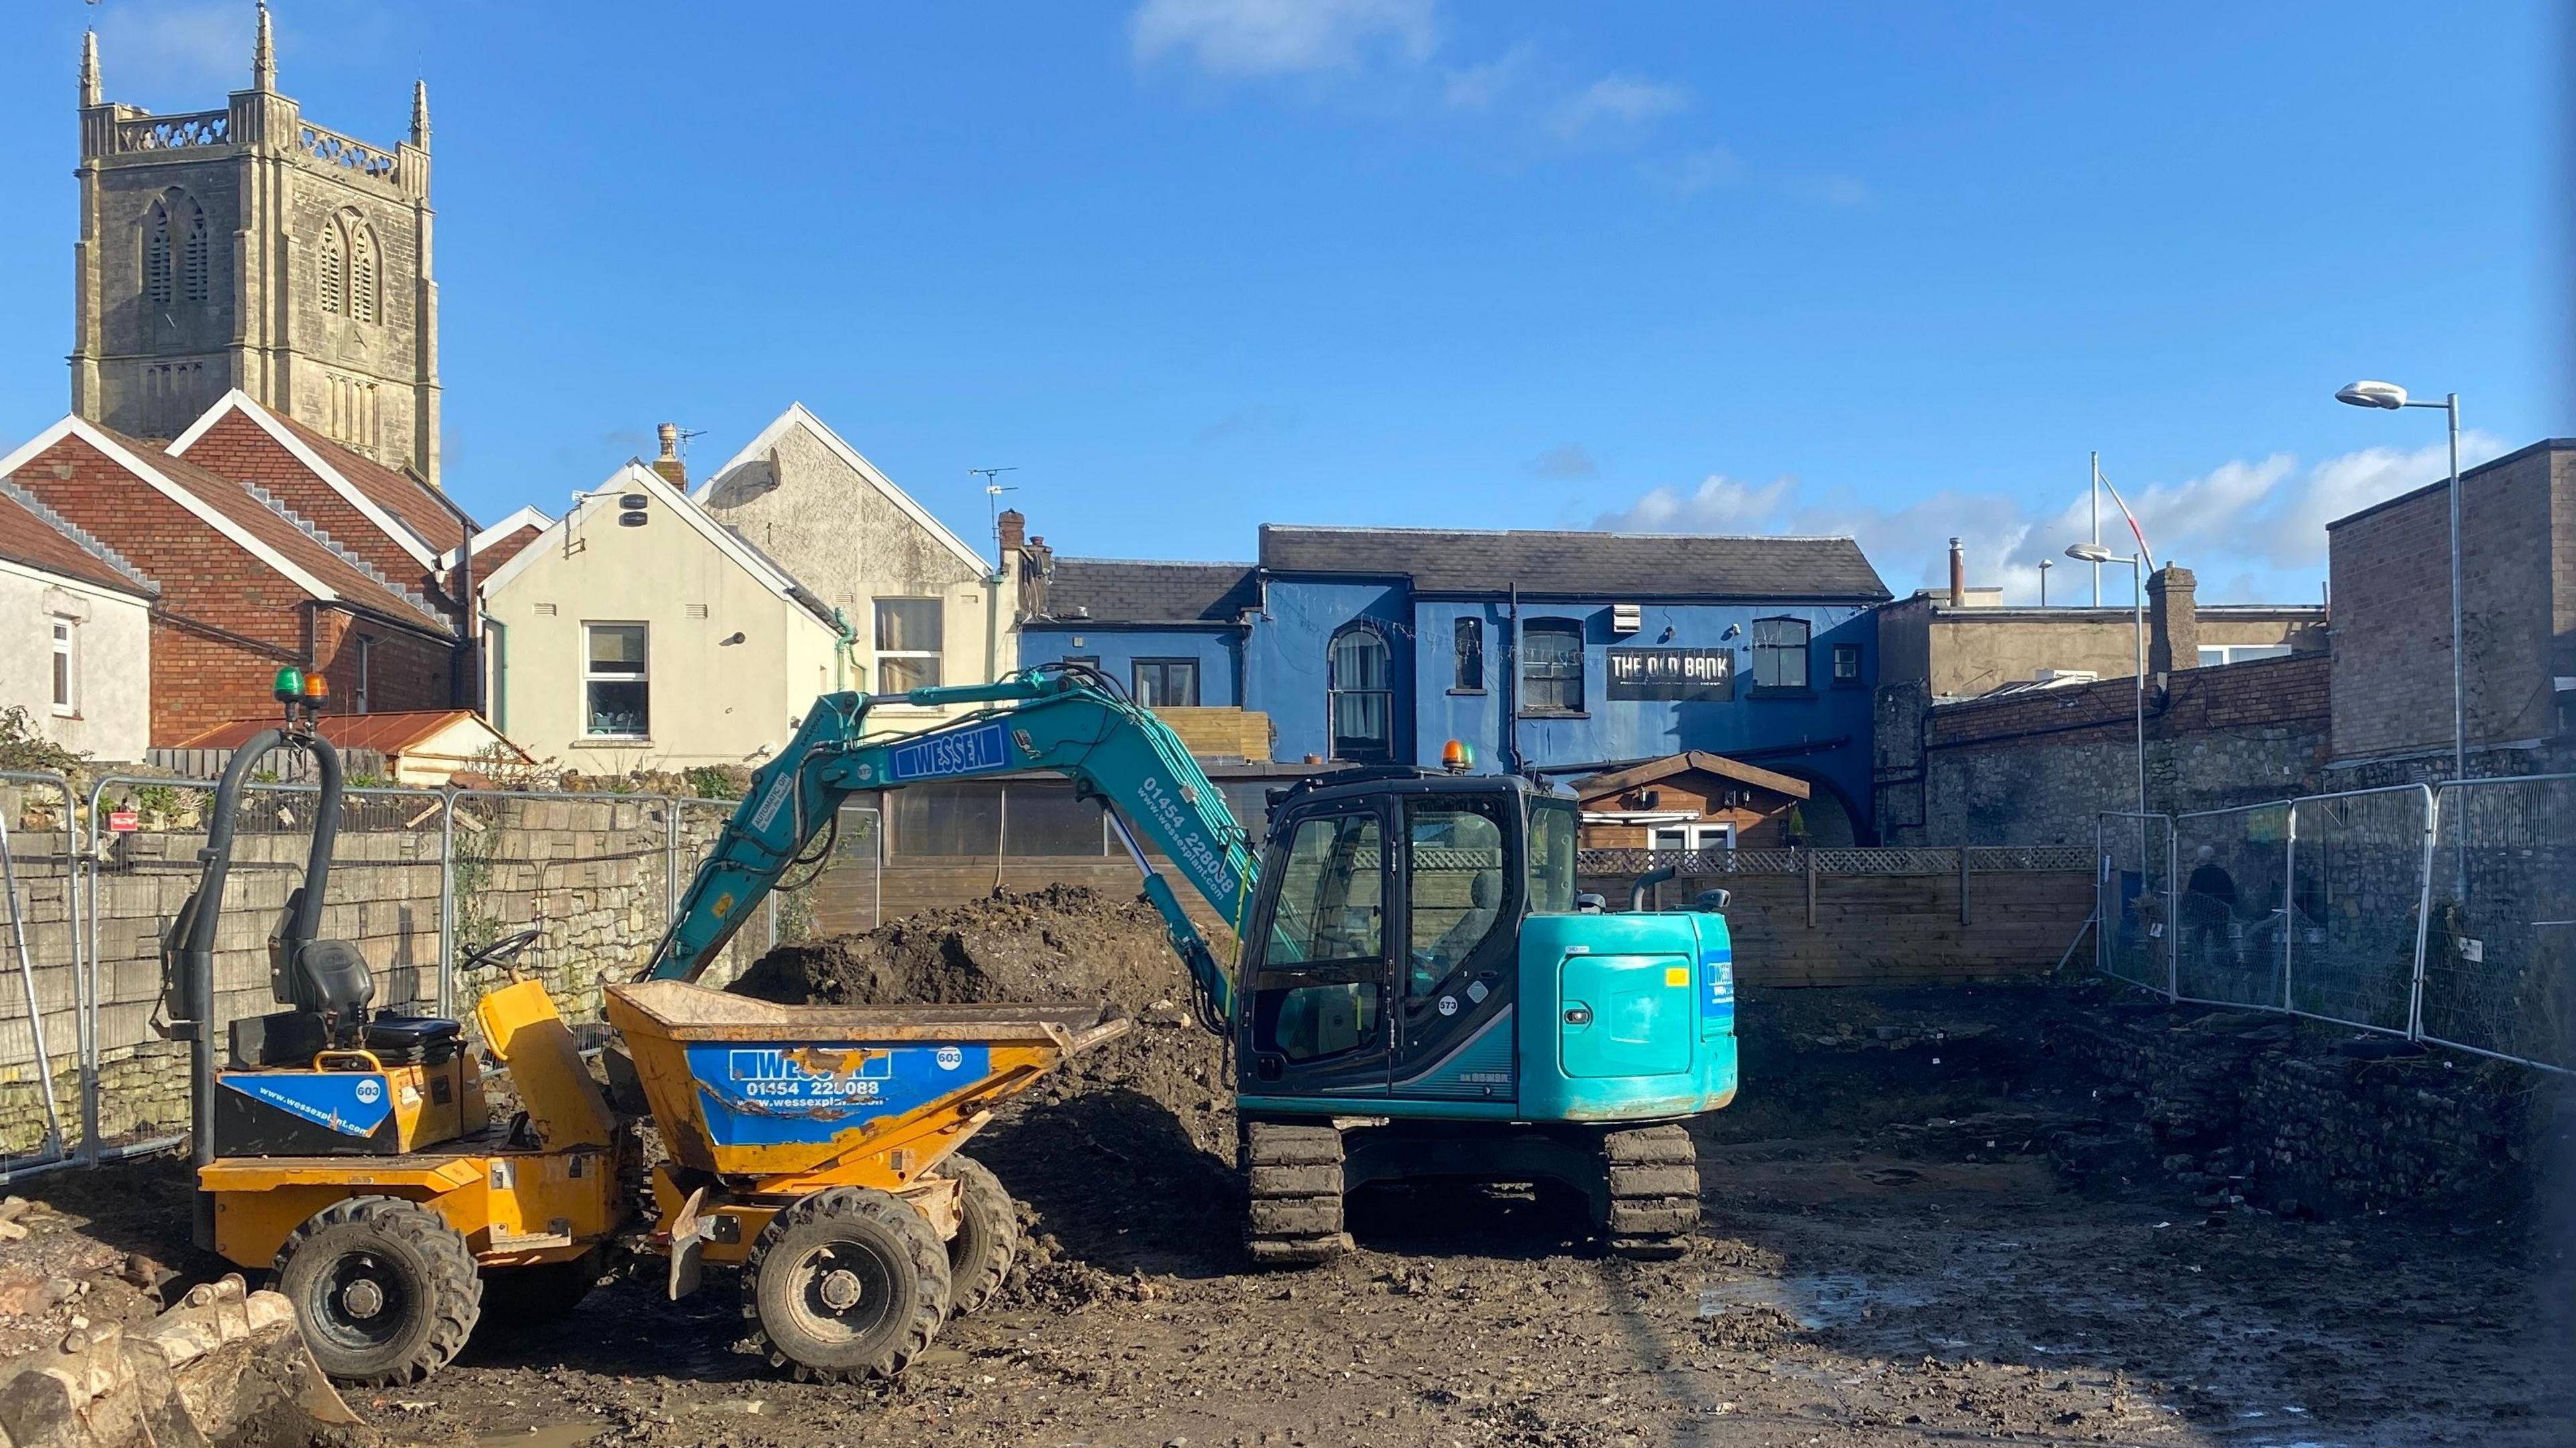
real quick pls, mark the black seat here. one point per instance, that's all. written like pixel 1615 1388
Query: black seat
pixel 400 1040
pixel 331 977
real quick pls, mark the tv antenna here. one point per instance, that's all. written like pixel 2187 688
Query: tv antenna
pixel 993 492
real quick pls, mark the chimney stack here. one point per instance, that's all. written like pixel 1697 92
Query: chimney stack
pixel 668 464
pixel 1958 574
pixel 2173 620
pixel 1014 530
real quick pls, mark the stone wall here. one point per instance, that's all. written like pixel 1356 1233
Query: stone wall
pixel 2263 1110
pixel 591 871
pixel 2037 768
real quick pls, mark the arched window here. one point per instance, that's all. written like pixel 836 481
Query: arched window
pixel 196 258
pixel 1360 694
pixel 156 255
pixel 362 270
pixel 334 269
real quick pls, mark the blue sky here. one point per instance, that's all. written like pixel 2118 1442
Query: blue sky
pixel 1193 265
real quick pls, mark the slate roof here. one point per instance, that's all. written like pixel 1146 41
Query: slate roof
pixel 39 537
pixel 1123 590
pixel 1581 564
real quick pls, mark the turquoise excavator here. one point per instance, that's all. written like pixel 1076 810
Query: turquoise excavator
pixel 1420 990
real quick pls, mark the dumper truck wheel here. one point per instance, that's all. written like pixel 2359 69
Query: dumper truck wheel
pixel 988 1234
pixel 1294 1172
pixel 1653 1174
pixel 848 1283
pixel 384 1289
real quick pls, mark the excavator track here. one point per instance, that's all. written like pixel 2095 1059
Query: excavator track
pixel 1653 1173
pixel 1294 1217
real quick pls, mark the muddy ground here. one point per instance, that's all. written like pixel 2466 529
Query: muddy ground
pixel 1895 1252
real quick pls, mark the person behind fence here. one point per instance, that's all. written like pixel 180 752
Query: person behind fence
pixel 2208 905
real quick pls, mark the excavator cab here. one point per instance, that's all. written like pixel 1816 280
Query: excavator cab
pixel 1424 993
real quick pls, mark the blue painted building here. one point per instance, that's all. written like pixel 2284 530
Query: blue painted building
pixel 1561 653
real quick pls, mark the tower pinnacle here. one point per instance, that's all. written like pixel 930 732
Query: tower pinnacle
pixel 89 86
pixel 420 114
pixel 263 56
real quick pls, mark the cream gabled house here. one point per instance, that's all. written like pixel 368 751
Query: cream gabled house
pixel 637 632
pixel 924 607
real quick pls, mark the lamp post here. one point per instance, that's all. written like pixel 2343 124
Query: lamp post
pixel 2392 397
pixel 2095 553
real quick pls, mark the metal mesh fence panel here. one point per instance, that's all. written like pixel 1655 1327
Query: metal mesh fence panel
pixel 2230 867
pixel 2131 941
pixel 2345 930
pixel 384 896
pixel 41 973
pixel 2500 954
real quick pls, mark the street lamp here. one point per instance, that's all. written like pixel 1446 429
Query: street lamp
pixel 2095 553
pixel 2392 397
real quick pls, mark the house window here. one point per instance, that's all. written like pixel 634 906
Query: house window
pixel 908 643
pixel 366 673
pixel 1470 634
pixel 1360 694
pixel 66 667
pixel 1690 839
pixel 1552 666
pixel 1846 665
pixel 2212 655
pixel 1167 683
pixel 1780 653
pixel 616 697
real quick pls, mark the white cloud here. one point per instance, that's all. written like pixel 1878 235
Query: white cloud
pixel 1281 37
pixel 1568 460
pixel 1615 103
pixel 1478 87
pixel 2253 530
pixel 1694 171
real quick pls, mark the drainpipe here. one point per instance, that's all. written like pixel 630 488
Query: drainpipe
pixel 467 685
pixel 1512 691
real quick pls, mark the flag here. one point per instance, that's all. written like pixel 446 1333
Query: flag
pixel 2134 530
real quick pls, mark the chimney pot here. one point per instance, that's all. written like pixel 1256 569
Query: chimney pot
pixel 669 464
pixel 1958 574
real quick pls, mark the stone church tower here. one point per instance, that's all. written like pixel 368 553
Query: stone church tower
pixel 247 247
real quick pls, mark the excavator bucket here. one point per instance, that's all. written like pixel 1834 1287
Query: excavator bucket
pixel 223 1367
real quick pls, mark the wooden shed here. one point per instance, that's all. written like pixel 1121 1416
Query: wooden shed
pixel 1694 800
pixel 419 746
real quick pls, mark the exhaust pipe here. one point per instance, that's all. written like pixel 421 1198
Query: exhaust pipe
pixel 1647 882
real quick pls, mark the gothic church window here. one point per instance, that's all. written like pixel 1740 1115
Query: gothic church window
pixel 178 251
pixel 335 271
pixel 348 263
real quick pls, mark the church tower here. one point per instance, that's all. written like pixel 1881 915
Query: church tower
pixel 248 247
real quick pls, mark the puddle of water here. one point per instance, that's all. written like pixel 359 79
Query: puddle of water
pixel 1812 1302
pixel 549 1435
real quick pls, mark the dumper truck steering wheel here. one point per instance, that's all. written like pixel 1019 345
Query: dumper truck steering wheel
pixel 501 951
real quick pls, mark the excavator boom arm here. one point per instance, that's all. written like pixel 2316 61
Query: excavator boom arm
pixel 1115 752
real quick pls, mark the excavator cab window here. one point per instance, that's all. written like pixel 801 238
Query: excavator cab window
pixel 1320 988
pixel 1454 885
pixel 1551 856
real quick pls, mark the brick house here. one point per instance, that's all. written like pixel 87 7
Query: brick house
pixel 248 585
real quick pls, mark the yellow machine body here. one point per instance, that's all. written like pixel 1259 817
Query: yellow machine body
pixel 549 1196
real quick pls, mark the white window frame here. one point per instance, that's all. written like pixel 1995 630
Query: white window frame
pixel 64 683
pixel 938 656
pixel 2240 653
pixel 643 676
pixel 1692 836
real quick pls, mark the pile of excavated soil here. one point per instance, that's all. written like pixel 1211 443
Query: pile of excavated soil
pixel 1125 1155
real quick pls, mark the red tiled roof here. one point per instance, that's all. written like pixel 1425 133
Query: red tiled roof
pixel 31 538
pixel 387 733
pixel 416 504
pixel 489 558
pixel 353 583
